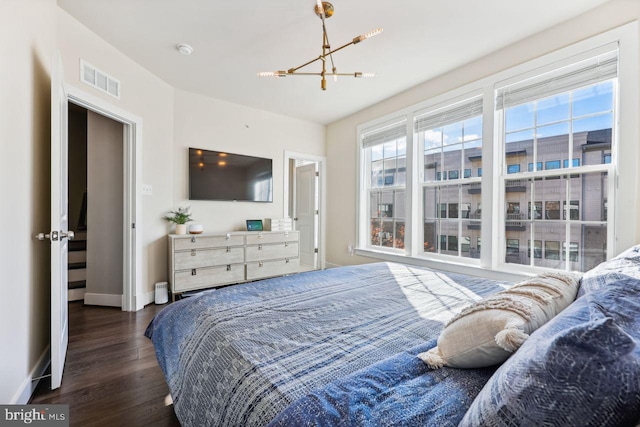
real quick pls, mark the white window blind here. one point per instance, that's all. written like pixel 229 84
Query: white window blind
pixel 449 115
pixel 591 71
pixel 386 134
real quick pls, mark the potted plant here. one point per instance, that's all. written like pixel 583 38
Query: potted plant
pixel 180 218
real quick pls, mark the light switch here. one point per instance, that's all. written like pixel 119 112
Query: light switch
pixel 147 189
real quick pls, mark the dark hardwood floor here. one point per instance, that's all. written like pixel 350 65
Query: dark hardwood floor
pixel 111 376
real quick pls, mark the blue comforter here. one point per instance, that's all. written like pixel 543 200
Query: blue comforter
pixel 321 348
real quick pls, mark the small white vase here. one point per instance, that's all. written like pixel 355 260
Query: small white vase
pixel 181 228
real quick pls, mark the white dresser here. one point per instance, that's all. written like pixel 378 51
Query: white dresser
pixel 199 261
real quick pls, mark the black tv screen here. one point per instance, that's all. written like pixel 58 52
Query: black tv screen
pixel 219 175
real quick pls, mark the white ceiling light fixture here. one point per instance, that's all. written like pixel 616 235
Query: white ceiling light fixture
pixel 184 49
pixel 325 10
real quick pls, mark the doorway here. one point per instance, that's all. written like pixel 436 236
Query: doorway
pixel 131 297
pixel 304 187
pixel 96 206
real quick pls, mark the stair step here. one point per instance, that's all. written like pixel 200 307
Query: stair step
pixel 77 265
pixel 77 245
pixel 77 285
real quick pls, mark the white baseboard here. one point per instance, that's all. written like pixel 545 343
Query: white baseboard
pixel 148 298
pixel 29 385
pixel 331 265
pixel 106 300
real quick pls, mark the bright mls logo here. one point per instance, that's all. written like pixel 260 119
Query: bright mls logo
pixel 36 415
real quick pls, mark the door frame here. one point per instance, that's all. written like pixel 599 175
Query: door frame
pixel 322 171
pixel 132 294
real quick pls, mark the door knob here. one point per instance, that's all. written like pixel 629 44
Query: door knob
pixel 42 236
pixel 69 235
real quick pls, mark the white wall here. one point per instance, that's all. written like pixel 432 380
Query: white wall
pixel 143 95
pixel 342 176
pixel 212 124
pixel 104 207
pixel 27 38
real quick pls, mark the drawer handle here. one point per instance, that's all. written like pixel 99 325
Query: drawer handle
pixel 228 267
pixel 193 271
pixel 193 252
pixel 260 247
pixel 286 244
pixel 286 260
pixel 193 239
pixel 260 264
pixel 228 249
pixel 286 234
pixel 228 236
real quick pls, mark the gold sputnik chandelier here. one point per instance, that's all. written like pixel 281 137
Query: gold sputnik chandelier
pixel 325 10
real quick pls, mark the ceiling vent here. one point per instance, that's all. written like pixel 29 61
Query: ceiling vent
pixel 99 80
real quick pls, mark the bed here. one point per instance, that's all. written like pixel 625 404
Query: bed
pixel 338 347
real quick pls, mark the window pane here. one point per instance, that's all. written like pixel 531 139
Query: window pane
pixel 390 149
pixel 594 123
pixel 377 176
pixel 430 204
pixel 513 168
pixel 520 117
pixel 593 247
pixel 594 201
pixel 593 99
pixel 553 130
pixel 552 164
pixel 452 134
pixel 376 152
pixel 552 210
pixel 553 109
pixel 432 138
pixel 375 232
pixel 472 129
pixel 526 135
pixel 552 250
pixel 387 234
pixel 390 166
pixel 429 231
pixel 432 165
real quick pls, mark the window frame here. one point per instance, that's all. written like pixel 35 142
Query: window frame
pixel 623 169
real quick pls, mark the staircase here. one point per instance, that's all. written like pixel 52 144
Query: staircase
pixel 77 267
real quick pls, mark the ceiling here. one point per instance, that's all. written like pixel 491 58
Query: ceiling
pixel 233 40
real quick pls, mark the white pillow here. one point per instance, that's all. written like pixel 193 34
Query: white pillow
pixel 488 331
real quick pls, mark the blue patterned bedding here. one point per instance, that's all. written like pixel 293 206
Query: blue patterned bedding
pixel 333 347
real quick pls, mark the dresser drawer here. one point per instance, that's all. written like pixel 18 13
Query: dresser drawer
pixel 271 251
pixel 207 277
pixel 197 258
pixel 260 270
pixel 198 242
pixel 272 237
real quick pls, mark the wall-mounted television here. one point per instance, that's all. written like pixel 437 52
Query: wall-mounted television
pixel 220 175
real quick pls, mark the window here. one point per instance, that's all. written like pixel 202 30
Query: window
pixel 573 251
pixel 575 163
pixel 450 139
pixel 537 248
pixel 552 250
pixel 574 210
pixel 385 154
pixel 513 168
pixel 552 120
pixel 538 166
pixel 548 147
pixel 536 213
pixel 552 164
pixel 513 247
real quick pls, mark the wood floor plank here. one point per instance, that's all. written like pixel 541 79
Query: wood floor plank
pixel 111 373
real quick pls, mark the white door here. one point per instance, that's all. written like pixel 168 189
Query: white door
pixel 306 213
pixel 59 224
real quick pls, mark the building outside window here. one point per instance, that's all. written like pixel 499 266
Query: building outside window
pixel 385 153
pixel 450 140
pixel 549 119
pixel 548 167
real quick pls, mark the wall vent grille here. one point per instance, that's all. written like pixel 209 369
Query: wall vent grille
pixel 99 79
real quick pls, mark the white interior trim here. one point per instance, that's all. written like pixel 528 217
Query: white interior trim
pixel 106 300
pixel 28 386
pixel 322 197
pixel 132 251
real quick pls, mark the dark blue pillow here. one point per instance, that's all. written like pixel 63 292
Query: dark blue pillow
pixel 580 369
pixel 623 267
